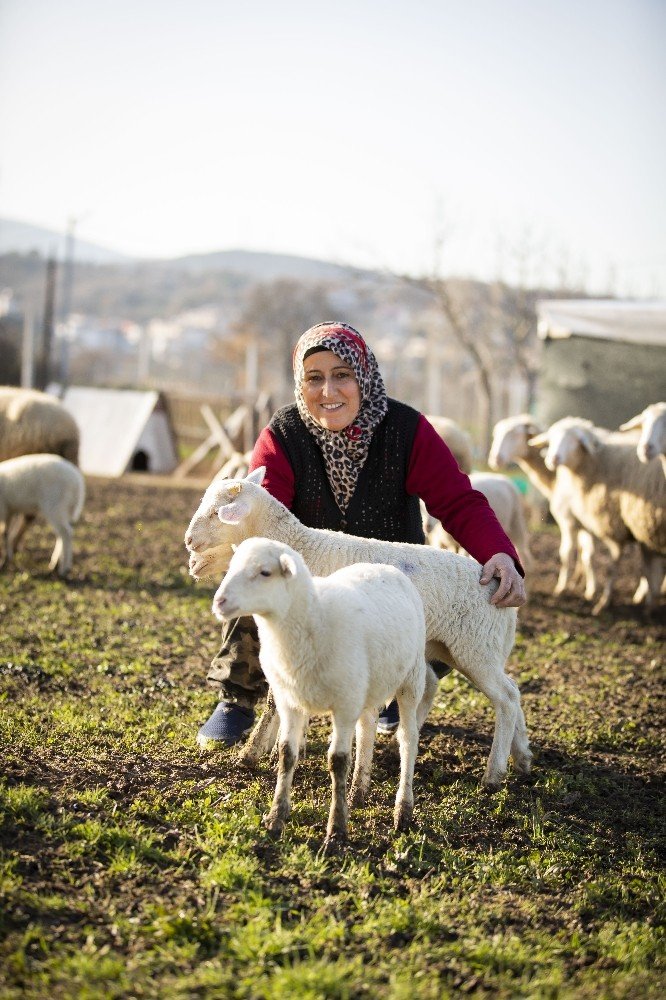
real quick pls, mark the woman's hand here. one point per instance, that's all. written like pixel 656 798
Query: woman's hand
pixel 511 591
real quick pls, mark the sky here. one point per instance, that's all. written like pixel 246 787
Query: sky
pixel 519 139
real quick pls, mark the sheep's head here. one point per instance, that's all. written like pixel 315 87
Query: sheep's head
pixel 258 580
pixel 218 523
pixel 652 425
pixel 510 440
pixel 566 442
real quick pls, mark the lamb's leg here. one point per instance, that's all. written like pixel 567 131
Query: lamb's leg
pixel 292 723
pixel 19 525
pixel 62 553
pixel 585 552
pixel 262 738
pixel 408 741
pixel 607 592
pixel 366 729
pixel 505 699
pixel 520 744
pixel 339 754
pixel 652 565
pixel 428 697
pixel 566 555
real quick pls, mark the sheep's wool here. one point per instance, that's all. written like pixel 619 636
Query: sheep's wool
pixel 344 451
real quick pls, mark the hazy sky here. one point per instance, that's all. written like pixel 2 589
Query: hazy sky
pixel 353 131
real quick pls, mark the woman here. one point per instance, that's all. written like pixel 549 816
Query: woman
pixel 346 457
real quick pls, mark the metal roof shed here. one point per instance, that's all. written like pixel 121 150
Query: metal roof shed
pixel 122 430
pixel 603 359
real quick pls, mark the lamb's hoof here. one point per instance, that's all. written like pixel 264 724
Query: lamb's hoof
pixel 274 823
pixel 357 797
pixel 334 842
pixel 492 784
pixel 248 758
pixel 402 816
pixel 522 763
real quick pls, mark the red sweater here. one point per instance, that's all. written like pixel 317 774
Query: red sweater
pixel 433 475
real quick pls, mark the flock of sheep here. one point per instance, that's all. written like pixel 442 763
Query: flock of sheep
pixel 347 623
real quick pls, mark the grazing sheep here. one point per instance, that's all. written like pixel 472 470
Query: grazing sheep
pixel 33 422
pixel 344 644
pixel 505 499
pixel 612 494
pixel 41 484
pixel 458 440
pixel 511 443
pixel 652 441
pixel 462 628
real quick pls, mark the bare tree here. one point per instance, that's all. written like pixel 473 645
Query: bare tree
pixel 274 316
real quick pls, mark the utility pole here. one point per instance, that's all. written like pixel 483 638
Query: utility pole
pixel 43 367
pixel 66 301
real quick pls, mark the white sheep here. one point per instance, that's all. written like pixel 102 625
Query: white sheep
pixel 652 440
pixel 612 494
pixel 462 628
pixel 33 422
pixel 458 440
pixel 512 443
pixel 344 645
pixel 41 484
pixel 505 499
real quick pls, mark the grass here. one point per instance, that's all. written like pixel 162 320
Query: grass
pixel 133 866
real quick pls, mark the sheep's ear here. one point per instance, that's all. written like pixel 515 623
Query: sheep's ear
pixel 540 441
pixel 631 424
pixel 589 441
pixel 232 513
pixel 287 565
pixel 257 476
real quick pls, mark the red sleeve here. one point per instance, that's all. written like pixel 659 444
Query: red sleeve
pixel 279 478
pixel 434 476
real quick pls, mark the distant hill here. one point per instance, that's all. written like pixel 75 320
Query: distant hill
pixel 260 266
pixel 22 237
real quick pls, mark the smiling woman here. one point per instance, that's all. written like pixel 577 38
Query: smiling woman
pixel 345 457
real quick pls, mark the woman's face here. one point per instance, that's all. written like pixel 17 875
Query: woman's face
pixel 330 390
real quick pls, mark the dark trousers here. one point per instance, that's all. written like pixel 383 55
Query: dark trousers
pixel 235 671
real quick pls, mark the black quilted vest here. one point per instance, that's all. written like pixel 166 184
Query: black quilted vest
pixel 380 507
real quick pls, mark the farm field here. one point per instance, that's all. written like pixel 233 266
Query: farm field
pixel 132 865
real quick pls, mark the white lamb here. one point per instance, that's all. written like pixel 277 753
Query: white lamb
pixel 612 494
pixel 344 644
pixel 41 484
pixel 462 628
pixel 652 440
pixel 512 443
pixel 505 499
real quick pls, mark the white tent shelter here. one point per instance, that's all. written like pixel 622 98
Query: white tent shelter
pixel 121 430
pixel 603 359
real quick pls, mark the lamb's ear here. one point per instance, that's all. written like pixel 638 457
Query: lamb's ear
pixel 257 476
pixel 540 441
pixel 287 565
pixel 631 424
pixel 232 513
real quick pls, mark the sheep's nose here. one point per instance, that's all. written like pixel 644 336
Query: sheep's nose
pixel 188 540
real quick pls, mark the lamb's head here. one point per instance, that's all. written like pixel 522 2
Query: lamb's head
pixel 652 424
pixel 510 440
pixel 260 580
pixel 221 520
pixel 567 442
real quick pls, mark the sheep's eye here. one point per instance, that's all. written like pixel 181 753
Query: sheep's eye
pixel 265 572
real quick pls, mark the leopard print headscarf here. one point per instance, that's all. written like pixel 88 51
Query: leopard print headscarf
pixel 344 451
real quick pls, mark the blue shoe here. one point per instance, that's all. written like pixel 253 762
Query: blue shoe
pixel 228 724
pixel 389 719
